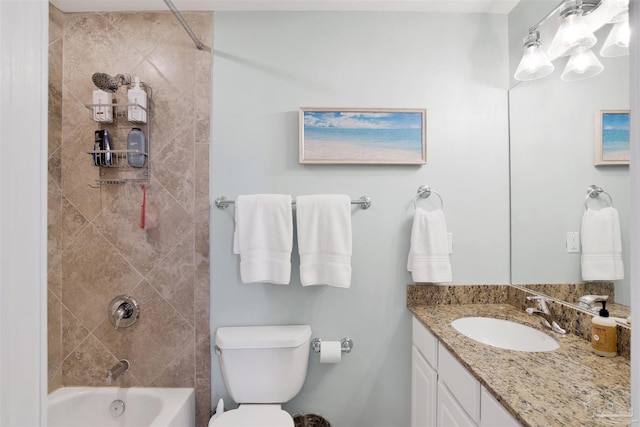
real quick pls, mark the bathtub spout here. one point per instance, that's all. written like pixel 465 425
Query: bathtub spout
pixel 116 371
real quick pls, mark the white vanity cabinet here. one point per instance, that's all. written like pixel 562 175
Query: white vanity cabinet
pixel 444 393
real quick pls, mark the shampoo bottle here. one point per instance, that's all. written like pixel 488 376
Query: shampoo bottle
pixel 138 97
pixel 137 148
pixel 604 333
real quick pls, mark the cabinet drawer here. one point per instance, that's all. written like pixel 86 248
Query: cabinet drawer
pixel 460 382
pixel 426 342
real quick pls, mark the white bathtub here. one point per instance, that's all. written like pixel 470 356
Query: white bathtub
pixel 143 407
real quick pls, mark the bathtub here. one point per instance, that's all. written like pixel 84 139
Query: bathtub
pixel 121 407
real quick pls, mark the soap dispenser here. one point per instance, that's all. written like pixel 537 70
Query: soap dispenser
pixel 604 340
pixel 137 98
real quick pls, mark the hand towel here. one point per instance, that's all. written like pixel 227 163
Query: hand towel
pixel 428 259
pixel 324 239
pixel 263 237
pixel 601 245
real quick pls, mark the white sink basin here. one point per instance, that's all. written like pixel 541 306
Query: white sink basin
pixel 505 334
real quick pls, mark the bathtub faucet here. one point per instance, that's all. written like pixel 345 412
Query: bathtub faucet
pixel 117 370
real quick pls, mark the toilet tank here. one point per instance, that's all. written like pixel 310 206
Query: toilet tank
pixel 263 364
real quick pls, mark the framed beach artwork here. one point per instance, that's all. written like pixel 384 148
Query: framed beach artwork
pixel 363 136
pixel 612 137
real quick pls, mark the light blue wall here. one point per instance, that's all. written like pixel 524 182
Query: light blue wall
pixel 266 66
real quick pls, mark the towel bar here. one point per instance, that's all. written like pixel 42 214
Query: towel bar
pixel 594 191
pixel 222 202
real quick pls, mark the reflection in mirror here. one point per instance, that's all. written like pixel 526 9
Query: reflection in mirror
pixel 552 143
pixel 573 292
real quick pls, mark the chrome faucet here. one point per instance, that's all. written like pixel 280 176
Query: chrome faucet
pixel 588 302
pixel 117 370
pixel 545 312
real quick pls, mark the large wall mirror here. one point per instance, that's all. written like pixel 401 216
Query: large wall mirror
pixel 552 137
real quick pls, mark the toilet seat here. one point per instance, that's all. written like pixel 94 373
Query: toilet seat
pixel 253 416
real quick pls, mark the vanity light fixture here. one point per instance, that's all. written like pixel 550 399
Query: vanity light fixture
pixel 579 19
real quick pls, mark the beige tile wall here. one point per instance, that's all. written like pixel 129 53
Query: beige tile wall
pixel 96 247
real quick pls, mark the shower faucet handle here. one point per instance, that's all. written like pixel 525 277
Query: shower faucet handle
pixel 123 311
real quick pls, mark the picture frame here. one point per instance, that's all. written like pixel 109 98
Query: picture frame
pixel 363 136
pixel 612 138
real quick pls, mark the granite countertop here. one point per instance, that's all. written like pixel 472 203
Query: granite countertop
pixel 570 386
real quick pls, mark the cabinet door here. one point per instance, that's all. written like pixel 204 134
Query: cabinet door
pixel 424 388
pixel 449 412
pixel 493 413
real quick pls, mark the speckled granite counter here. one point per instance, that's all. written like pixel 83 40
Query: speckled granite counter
pixel 570 386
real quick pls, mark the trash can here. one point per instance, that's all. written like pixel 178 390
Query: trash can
pixel 310 420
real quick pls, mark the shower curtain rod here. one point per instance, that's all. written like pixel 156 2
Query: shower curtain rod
pixel 179 17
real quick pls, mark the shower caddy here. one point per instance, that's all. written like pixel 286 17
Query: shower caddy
pixel 119 172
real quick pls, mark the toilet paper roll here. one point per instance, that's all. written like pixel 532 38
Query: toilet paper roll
pixel 330 352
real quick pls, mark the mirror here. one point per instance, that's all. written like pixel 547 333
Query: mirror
pixel 552 141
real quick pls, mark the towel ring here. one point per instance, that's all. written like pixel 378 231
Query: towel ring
pixel 594 191
pixel 425 191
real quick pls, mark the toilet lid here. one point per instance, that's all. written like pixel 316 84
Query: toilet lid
pixel 253 416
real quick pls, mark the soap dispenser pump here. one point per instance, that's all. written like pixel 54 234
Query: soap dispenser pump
pixel 604 340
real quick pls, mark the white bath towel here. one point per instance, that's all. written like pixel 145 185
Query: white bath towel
pixel 264 237
pixel 324 239
pixel 428 259
pixel 601 245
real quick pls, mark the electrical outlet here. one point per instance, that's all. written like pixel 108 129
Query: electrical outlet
pixel 450 241
pixel 573 241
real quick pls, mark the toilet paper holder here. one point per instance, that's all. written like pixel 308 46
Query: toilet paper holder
pixel 346 344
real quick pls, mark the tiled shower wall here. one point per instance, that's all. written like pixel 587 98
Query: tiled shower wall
pixel 96 247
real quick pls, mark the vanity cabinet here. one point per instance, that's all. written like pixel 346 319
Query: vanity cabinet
pixel 444 393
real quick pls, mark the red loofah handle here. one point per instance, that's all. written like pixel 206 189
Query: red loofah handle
pixel 144 205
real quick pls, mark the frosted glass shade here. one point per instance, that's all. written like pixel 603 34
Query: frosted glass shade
pixel 617 43
pixel 534 64
pixel 607 12
pixel 572 37
pixel 582 65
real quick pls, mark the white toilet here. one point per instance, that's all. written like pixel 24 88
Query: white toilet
pixel 262 367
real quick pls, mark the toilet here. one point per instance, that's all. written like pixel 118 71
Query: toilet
pixel 262 368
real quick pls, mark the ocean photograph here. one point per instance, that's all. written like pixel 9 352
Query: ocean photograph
pixel 615 136
pixel 351 136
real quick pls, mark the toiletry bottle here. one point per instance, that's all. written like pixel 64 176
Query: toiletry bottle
pixel 137 96
pixel 136 141
pixel 604 333
pixel 108 156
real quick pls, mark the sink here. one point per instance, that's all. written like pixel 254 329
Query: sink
pixel 505 334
